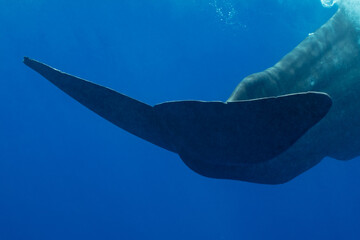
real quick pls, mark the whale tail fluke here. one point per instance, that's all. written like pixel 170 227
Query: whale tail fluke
pixel 127 113
pixel 231 133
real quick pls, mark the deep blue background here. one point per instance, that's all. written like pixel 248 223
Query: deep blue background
pixel 65 173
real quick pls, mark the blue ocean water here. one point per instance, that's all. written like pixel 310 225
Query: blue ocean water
pixel 65 173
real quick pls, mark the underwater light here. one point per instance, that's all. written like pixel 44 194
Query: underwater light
pixel 328 3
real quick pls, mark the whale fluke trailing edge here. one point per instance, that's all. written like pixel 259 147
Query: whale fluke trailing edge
pixel 276 124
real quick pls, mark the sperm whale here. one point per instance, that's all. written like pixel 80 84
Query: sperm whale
pixel 276 124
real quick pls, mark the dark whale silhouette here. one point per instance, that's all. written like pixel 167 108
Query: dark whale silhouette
pixel 276 124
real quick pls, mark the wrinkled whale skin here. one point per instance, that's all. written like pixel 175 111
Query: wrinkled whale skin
pixel 326 61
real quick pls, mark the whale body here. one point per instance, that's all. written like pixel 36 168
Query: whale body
pixel 276 124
